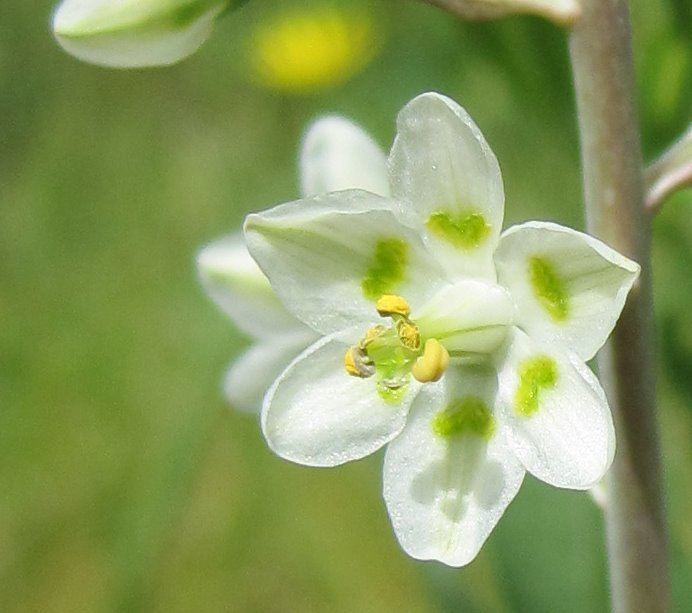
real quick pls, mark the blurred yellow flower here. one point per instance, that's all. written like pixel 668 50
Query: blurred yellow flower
pixel 303 50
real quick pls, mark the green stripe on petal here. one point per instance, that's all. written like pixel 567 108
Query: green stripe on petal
pixel 466 230
pixel 555 411
pixel 536 375
pixel 549 288
pixel 387 270
pixel 469 415
pixel 448 185
pixel 569 288
pixel 445 494
pixel 324 255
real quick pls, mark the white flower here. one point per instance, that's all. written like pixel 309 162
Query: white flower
pixel 336 154
pixel 474 371
pixel 134 33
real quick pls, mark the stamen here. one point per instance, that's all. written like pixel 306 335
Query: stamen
pixel 394 353
pixel 371 335
pixel 432 364
pixel 390 304
pixel 408 334
pixel 357 363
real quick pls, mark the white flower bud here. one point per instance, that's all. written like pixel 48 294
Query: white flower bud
pixel 134 33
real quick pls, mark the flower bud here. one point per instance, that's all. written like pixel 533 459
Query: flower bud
pixel 304 47
pixel 134 33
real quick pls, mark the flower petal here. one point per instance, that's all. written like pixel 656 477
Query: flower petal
pixel 252 374
pixel 337 154
pixel 557 412
pixel 318 415
pixel 447 487
pixel 133 34
pixel 236 284
pixel 569 287
pixel 329 258
pixel 449 180
pixel 469 316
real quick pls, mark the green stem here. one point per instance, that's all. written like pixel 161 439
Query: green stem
pixel 600 48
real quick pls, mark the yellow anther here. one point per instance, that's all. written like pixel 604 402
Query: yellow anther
pixel 408 334
pixel 432 364
pixel 371 335
pixel 356 364
pixel 350 363
pixel 389 304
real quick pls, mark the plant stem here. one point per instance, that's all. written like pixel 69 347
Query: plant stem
pixel 601 53
pixel 670 173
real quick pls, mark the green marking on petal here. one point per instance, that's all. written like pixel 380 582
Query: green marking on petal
pixel 469 415
pixel 464 231
pixel 387 268
pixel 549 288
pixel 535 375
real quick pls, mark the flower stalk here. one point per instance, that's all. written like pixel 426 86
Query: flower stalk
pixel 601 54
pixel 669 173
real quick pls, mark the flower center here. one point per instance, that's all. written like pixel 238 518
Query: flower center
pixel 394 353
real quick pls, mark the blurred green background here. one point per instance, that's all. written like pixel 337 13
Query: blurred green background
pixel 126 483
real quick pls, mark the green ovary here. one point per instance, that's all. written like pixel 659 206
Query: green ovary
pixel 469 415
pixel 463 231
pixel 392 395
pixel 536 375
pixel 549 288
pixel 387 269
pixel 392 366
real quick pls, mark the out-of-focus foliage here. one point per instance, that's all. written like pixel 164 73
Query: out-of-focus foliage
pixel 126 481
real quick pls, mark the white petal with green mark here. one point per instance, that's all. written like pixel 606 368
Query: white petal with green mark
pixel 448 179
pixel 469 316
pixel 449 476
pixel 235 283
pixel 337 154
pixel 331 257
pixel 252 373
pixel 558 415
pixel 569 287
pixel 316 414
pixel 134 33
